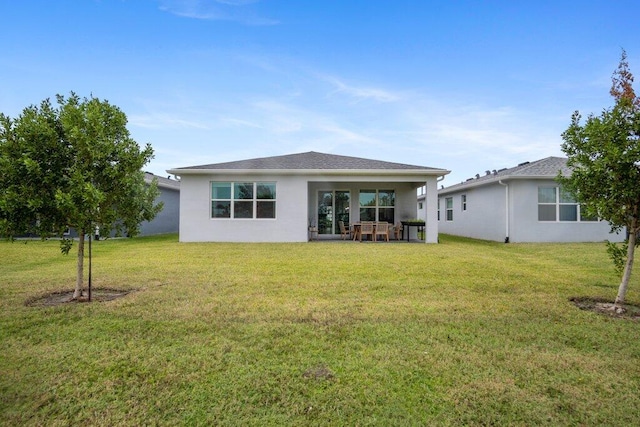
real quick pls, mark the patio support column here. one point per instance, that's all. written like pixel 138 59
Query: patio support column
pixel 431 211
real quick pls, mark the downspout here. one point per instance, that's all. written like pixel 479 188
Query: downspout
pixel 506 209
pixel 438 179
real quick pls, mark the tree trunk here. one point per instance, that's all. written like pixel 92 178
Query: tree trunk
pixel 626 275
pixel 80 276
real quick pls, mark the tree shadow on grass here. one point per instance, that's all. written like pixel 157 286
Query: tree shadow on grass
pixel 66 297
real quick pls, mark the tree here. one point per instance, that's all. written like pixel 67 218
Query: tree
pixel 72 166
pixel 604 154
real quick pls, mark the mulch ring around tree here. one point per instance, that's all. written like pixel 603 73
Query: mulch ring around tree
pixel 607 307
pixel 66 297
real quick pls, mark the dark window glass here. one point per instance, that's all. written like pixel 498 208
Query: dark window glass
pixel 265 209
pixel 546 212
pixel 568 212
pixel 243 209
pixel 220 209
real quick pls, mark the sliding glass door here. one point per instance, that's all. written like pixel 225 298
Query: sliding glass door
pixel 333 206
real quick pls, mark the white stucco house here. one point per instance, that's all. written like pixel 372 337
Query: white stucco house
pixel 276 199
pixel 519 204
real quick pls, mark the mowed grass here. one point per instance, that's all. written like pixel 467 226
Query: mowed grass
pixel 325 333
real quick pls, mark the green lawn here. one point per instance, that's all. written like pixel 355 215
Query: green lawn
pixel 324 333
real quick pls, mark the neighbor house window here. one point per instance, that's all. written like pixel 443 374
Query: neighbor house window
pixel 377 205
pixel 463 202
pixel 448 202
pixel 438 209
pixel 243 200
pixel 556 204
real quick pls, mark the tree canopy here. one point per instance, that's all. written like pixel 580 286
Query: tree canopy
pixel 72 165
pixel 604 155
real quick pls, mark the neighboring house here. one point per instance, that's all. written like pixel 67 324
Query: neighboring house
pixel 519 204
pixel 168 219
pixel 276 199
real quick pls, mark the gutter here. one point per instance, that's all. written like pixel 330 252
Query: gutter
pixel 506 209
pixel 417 173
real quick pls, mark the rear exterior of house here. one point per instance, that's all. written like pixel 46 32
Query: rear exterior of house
pixel 276 199
pixel 519 204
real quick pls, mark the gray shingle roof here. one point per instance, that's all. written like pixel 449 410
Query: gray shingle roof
pixel 544 168
pixel 310 161
pixel 162 181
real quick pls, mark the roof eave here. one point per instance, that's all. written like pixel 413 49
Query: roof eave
pixel 312 172
pixel 461 187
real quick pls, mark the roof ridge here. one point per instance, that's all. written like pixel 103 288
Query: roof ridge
pixel 311 160
pixel 545 167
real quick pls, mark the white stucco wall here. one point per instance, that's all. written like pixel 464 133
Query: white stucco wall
pixel 485 217
pixel 196 224
pixel 527 228
pixel 296 198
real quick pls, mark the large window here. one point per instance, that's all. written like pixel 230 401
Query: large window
pixel 556 204
pixel 377 205
pixel 449 208
pixel 243 200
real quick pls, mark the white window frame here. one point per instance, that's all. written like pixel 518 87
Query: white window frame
pixel 448 205
pixel 557 204
pixel 232 200
pixel 377 207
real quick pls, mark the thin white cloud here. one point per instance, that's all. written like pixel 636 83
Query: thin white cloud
pixel 217 10
pixel 233 122
pixel 405 126
pixel 279 125
pixel 164 121
pixel 475 138
pixel 236 2
pixel 360 93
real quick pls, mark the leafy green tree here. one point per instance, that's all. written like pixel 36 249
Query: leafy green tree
pixel 73 165
pixel 604 154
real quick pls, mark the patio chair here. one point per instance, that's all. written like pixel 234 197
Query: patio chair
pixel 313 231
pixel 366 227
pixel 382 228
pixel 397 231
pixel 344 231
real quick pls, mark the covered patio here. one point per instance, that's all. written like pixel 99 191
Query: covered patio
pixel 330 203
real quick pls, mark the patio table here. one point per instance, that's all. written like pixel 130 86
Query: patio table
pixel 407 224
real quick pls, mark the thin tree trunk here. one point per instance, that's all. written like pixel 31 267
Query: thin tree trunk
pixel 80 276
pixel 626 276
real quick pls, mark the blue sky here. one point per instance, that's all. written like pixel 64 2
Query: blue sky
pixel 462 85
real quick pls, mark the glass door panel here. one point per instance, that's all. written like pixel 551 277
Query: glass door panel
pixel 343 201
pixel 325 212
